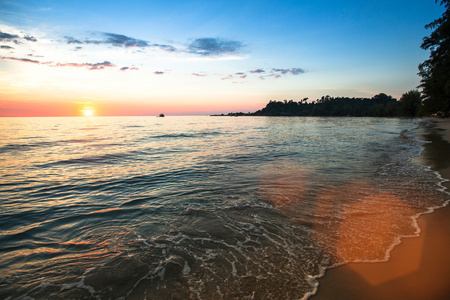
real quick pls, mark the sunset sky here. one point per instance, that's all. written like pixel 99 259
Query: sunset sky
pixel 59 58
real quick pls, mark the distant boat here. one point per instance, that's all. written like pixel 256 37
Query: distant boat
pixel 161 115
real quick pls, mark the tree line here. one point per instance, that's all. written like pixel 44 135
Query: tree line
pixel 380 105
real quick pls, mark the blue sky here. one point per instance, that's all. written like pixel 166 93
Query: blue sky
pixel 200 57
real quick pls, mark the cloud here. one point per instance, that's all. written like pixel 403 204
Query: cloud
pixel 128 68
pixel 120 40
pixel 31 54
pixel 257 71
pixel 167 48
pixel 241 75
pixel 30 38
pixel 114 39
pixel 198 75
pixel 22 60
pixel 274 72
pixel 90 66
pixel 214 47
pixel 7 37
pixel 158 73
pixel 99 66
pixel 71 40
pixel 293 71
pixel 6 47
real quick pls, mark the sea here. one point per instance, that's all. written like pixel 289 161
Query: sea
pixel 200 207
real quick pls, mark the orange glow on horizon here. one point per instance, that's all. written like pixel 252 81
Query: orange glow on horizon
pixel 66 108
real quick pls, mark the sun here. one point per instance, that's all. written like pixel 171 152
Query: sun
pixel 88 112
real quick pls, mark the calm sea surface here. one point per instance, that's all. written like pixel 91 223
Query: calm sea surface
pixel 201 207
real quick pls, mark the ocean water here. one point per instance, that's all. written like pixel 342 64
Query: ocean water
pixel 202 207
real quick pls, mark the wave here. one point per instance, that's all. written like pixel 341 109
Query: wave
pixel 23 147
pixel 188 135
pixel 108 158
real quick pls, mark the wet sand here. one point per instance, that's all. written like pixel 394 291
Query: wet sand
pixel 419 268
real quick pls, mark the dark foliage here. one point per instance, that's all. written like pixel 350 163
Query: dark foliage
pixel 411 103
pixel 380 105
pixel 435 71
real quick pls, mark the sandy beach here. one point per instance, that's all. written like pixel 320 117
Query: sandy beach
pixel 419 268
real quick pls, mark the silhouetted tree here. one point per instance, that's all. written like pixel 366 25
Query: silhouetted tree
pixel 435 71
pixel 410 103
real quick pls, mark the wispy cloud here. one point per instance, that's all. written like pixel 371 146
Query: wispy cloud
pixel 6 47
pixel 293 71
pixel 274 72
pixel 30 38
pixel 198 75
pixel 202 46
pixel 117 40
pixel 128 68
pixel 21 59
pixel 277 72
pixel 167 48
pixel 90 66
pixel 106 38
pixel 214 47
pixel 31 54
pixel 257 71
pixel 71 40
pixel 6 37
pixel 159 73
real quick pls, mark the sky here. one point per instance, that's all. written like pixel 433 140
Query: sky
pixel 63 58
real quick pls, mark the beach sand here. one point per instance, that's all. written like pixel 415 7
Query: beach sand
pixel 419 268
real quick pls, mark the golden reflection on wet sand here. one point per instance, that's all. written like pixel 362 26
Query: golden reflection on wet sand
pixel 364 228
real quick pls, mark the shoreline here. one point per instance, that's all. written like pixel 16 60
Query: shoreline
pixel 418 267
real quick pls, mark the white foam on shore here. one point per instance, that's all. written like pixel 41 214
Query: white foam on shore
pixel 313 279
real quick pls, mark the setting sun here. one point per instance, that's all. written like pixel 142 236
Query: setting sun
pixel 88 112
